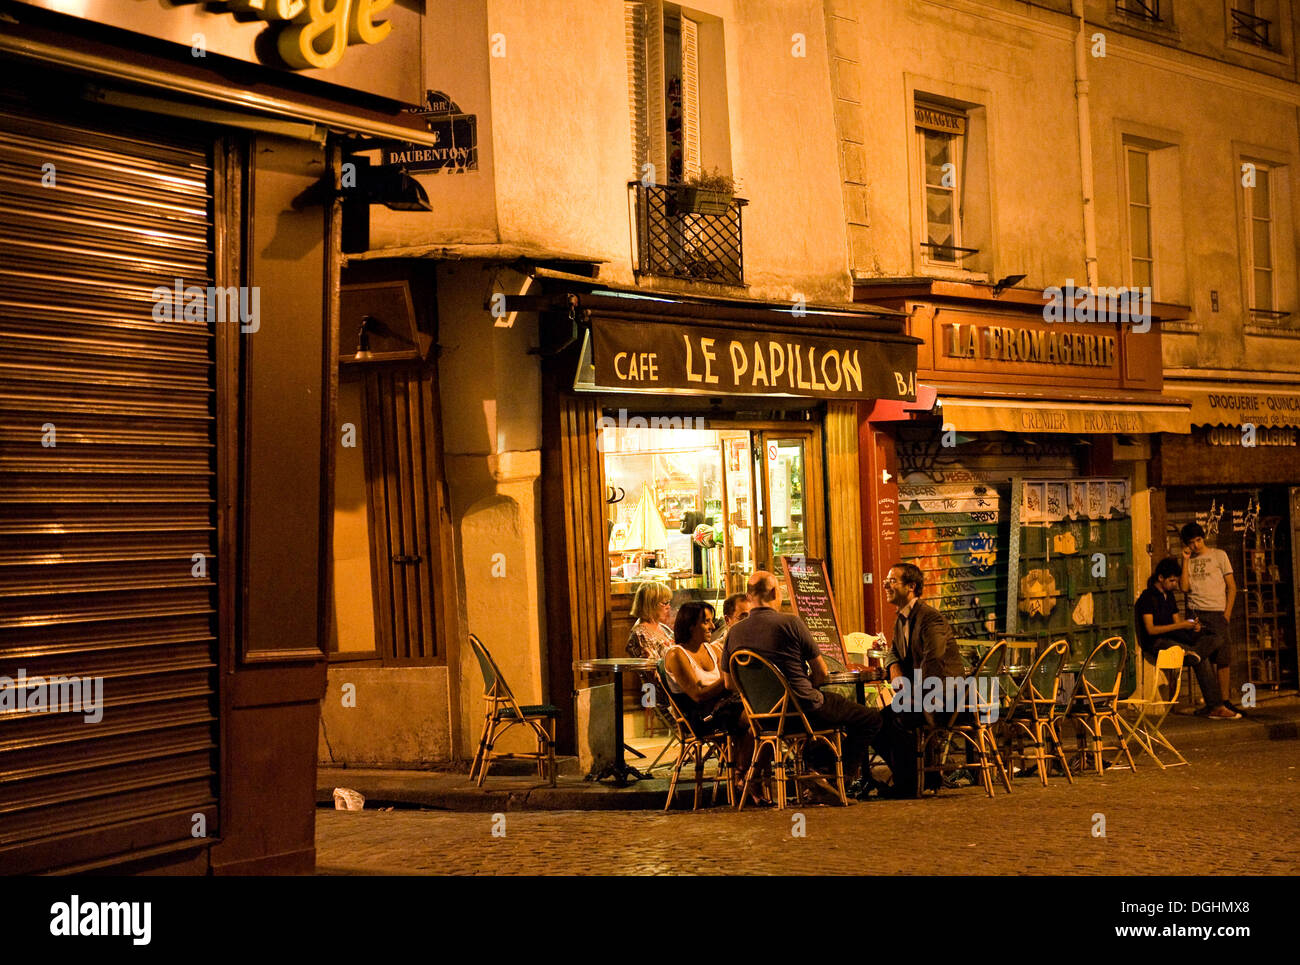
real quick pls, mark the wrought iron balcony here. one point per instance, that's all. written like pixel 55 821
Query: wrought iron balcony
pixel 675 242
pixel 1145 9
pixel 1250 28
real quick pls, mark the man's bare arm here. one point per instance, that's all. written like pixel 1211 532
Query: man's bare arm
pixel 1231 586
pixel 818 670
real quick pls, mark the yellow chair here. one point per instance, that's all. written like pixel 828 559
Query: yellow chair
pixel 1149 712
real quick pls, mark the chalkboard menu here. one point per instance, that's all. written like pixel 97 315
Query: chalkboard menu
pixel 810 595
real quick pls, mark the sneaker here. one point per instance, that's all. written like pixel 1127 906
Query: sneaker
pixel 1203 711
pixel 1224 713
pixel 1234 708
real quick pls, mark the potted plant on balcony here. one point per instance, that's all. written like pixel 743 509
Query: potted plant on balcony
pixel 706 192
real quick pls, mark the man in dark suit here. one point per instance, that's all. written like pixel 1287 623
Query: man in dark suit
pixel 922 640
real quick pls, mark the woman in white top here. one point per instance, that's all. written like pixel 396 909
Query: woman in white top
pixel 693 666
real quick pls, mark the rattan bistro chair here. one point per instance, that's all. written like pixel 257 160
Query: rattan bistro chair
pixel 779 723
pixel 1029 723
pixel 1149 713
pixel 972 726
pixel 503 712
pixel 696 747
pixel 1094 703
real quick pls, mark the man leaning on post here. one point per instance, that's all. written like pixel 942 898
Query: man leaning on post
pixel 784 641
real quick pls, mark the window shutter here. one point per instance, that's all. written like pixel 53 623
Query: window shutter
pixel 690 98
pixel 656 88
pixel 638 94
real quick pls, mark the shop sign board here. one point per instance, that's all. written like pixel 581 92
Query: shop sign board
pixel 691 360
pixel 1219 407
pixel 810 595
pixel 1040 346
pixel 365 45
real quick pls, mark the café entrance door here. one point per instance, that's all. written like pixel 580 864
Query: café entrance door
pixel 773 498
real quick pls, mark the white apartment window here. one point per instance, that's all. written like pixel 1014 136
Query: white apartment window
pixel 1259 241
pixel 1141 255
pixel 941 135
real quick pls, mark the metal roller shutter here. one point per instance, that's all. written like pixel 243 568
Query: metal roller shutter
pixel 98 530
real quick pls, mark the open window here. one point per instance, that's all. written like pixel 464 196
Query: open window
pixel 951 192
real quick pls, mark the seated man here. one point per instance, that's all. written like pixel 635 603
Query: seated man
pixel 923 640
pixel 734 609
pixel 1159 627
pixel 784 641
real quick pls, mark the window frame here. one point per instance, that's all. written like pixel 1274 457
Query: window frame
pixel 1130 276
pixel 1248 213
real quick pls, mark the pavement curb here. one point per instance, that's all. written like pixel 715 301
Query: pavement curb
pixel 1274 720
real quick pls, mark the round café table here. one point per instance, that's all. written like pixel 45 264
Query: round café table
pixel 618 768
pixel 858 678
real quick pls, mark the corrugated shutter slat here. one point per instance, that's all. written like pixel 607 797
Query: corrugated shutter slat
pixel 98 531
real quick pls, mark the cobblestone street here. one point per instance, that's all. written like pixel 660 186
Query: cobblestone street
pixel 1236 810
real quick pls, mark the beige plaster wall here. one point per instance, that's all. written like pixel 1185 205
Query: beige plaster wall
pixel 1018 64
pixel 400 716
pixel 1213 114
pixel 490 391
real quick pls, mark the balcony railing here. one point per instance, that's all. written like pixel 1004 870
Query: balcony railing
pixel 1250 28
pixel 674 242
pixel 1146 9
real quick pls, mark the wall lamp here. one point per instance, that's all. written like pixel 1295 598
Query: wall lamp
pixel 366 184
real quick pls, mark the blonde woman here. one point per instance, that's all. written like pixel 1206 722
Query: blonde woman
pixel 651 635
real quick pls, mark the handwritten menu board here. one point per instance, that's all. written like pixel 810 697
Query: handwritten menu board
pixel 810 595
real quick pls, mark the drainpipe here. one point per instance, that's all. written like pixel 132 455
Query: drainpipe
pixel 1085 144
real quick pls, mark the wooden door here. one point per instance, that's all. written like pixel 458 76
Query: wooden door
pixel 401 457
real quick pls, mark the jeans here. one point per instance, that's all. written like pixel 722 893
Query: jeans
pixel 1214 647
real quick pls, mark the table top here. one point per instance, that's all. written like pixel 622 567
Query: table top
pixel 850 676
pixel 615 663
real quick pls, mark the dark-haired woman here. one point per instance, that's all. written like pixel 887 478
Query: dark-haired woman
pixel 694 669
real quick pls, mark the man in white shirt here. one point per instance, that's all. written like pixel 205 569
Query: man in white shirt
pixel 1211 593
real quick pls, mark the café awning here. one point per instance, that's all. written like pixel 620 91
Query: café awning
pixel 1237 403
pixel 1018 415
pixel 679 345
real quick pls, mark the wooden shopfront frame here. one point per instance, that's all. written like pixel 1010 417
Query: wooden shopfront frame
pixel 579 601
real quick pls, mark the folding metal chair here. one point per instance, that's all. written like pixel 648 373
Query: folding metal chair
pixel 1149 712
